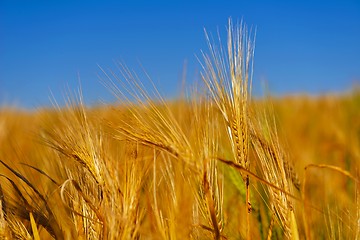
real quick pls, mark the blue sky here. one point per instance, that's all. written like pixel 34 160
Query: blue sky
pixel 47 46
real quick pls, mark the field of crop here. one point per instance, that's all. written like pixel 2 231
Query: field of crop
pixel 214 164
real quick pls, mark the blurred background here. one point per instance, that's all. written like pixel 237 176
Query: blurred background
pixel 48 47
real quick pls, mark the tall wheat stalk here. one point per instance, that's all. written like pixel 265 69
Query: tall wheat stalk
pixel 228 77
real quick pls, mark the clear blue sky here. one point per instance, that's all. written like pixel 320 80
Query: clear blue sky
pixel 301 46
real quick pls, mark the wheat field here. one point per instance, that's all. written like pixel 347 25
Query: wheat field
pixel 216 163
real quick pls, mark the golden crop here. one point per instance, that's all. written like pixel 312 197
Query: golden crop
pixel 215 165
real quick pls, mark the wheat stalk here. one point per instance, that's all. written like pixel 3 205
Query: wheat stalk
pixel 273 164
pixel 228 77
